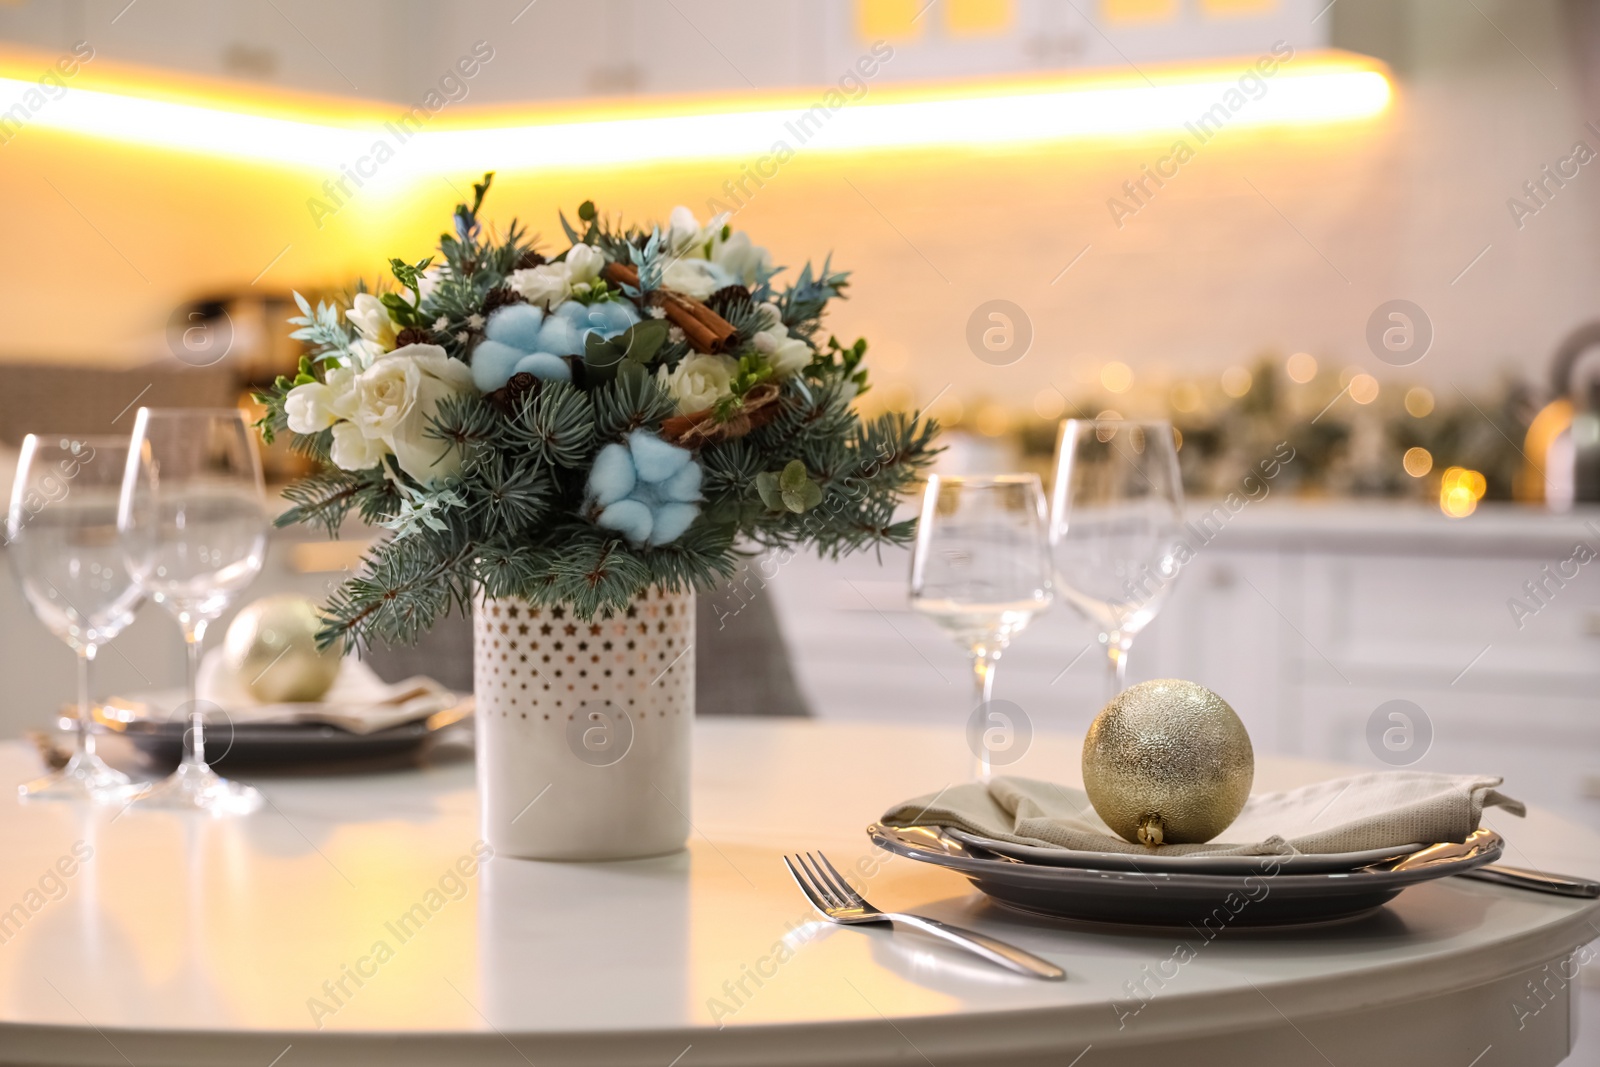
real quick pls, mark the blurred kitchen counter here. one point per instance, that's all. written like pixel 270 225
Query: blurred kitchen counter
pixel 1398 526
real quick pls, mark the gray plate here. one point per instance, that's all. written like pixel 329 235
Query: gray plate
pixel 1296 863
pixel 1175 898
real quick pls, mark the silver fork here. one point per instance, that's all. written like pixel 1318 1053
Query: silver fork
pixel 830 894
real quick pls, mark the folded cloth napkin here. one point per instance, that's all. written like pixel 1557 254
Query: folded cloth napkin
pixel 358 701
pixel 1368 811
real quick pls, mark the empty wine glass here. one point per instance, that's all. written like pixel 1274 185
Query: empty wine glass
pixel 193 527
pixel 981 570
pixel 61 533
pixel 1116 515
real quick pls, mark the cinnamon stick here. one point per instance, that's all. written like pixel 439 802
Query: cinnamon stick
pixel 704 329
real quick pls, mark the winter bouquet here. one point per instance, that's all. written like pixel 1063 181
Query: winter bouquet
pixel 636 411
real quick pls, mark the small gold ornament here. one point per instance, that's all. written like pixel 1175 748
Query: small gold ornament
pixel 1168 762
pixel 271 648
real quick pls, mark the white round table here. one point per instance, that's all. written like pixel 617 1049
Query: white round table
pixel 352 921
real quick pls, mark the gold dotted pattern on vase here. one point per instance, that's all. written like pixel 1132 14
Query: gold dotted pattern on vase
pixel 543 664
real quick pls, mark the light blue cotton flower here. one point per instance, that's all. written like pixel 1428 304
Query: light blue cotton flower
pixel 522 337
pixel 645 489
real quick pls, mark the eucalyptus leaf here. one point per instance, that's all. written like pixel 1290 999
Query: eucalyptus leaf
pixel 803 499
pixel 771 494
pixel 602 358
pixel 793 476
pixel 643 340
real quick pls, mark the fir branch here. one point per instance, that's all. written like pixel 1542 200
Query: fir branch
pixel 557 425
pixel 632 400
pixel 407 586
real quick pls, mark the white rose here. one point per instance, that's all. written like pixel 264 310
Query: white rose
pixel 437 376
pixel 354 450
pixel 699 381
pixel 363 352
pixel 742 260
pixel 548 285
pixel 371 320
pixel 398 395
pixel 692 277
pixel 584 263
pixel 786 355
pixel 385 394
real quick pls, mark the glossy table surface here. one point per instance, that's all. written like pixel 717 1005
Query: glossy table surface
pixel 353 921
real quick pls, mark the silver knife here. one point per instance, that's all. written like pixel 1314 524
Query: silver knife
pixel 1539 881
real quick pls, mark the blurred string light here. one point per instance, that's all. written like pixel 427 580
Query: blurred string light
pixel 1049 404
pixel 1302 367
pixel 992 421
pixel 1318 88
pixel 1236 381
pixel 1419 402
pixel 1185 397
pixel 1116 377
pixel 1417 462
pixel 1460 490
pixel 1363 389
pixel 947 409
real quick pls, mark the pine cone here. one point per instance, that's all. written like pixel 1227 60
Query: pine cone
pixel 413 335
pixel 501 297
pixel 509 397
pixel 530 259
pixel 727 298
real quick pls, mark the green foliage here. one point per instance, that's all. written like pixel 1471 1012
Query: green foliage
pixel 517 519
pixel 790 489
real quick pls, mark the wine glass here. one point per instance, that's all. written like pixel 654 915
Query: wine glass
pixel 61 534
pixel 981 570
pixel 193 523
pixel 1116 518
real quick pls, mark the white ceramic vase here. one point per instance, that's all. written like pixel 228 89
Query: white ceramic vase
pixel 583 728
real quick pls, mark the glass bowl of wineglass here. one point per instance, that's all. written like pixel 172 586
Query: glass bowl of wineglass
pixel 1116 520
pixel 980 570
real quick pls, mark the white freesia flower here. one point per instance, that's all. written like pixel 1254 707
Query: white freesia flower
pixel 786 355
pixel 371 320
pixel 353 450
pixel 548 285
pixel 315 406
pixel 771 317
pixel 308 409
pixel 699 381
pixel 584 263
pixel 686 237
pixel 428 281
pixel 742 260
pixel 692 277
pixel 396 397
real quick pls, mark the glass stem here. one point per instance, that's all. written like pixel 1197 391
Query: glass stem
pixel 85 725
pixel 1117 644
pixel 194 738
pixel 984 660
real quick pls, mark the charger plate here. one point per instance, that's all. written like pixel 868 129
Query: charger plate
pixel 1162 898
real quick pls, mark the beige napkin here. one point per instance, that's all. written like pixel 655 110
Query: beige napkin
pixel 1368 811
pixel 358 701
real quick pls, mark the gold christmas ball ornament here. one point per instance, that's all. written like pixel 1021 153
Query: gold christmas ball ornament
pixel 271 648
pixel 1168 762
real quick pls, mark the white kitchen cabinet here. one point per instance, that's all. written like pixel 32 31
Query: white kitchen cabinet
pixel 569 49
